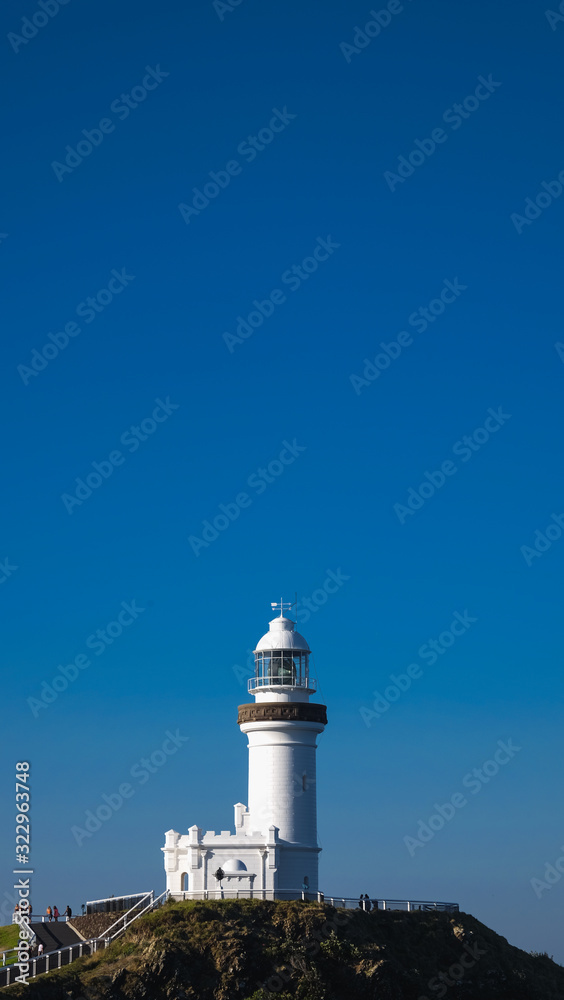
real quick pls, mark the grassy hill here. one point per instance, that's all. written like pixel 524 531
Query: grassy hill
pixel 252 950
pixel 9 939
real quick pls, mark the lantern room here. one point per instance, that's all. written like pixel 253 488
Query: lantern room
pixel 282 664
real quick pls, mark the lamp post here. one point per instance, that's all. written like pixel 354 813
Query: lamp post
pixel 219 875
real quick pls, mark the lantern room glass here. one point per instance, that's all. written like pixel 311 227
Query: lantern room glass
pixel 282 667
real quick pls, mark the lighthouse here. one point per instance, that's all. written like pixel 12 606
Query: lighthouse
pixel 273 852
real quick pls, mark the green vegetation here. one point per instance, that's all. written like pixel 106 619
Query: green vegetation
pixel 253 950
pixel 9 939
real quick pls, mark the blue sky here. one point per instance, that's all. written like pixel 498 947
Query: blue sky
pixel 212 411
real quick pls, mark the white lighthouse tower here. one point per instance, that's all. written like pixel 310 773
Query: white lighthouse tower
pixel 274 850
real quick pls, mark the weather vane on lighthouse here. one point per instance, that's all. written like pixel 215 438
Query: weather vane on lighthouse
pixel 281 605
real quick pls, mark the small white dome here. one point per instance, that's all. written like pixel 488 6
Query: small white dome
pixel 234 865
pixel 282 635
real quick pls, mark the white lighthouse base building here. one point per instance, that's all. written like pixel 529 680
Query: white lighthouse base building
pixel 273 852
pixel 253 864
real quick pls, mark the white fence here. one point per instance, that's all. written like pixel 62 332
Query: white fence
pixel 343 902
pixel 51 960
pixel 115 904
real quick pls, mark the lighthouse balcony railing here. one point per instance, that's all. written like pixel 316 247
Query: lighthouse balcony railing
pixel 272 681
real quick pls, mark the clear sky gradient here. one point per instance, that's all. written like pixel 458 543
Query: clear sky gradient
pixel 140 393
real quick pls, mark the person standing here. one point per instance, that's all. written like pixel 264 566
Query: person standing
pixel 367 904
pixel 40 950
pixel 56 914
pixel 49 913
pixel 68 913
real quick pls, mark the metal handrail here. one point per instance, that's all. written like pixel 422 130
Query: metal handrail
pixel 150 906
pixel 302 683
pixel 108 899
pixel 7 952
pixel 92 943
pixel 40 917
pixel 344 902
pixel 44 919
pixel 125 915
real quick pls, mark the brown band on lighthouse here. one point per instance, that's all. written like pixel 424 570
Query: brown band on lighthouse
pixel 282 711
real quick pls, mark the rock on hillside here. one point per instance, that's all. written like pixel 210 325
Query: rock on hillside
pixel 94 924
pixel 253 950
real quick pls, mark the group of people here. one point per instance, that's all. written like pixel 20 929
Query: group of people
pixel 365 903
pixel 53 913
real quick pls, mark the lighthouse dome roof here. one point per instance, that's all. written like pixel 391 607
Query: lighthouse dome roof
pixel 282 635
